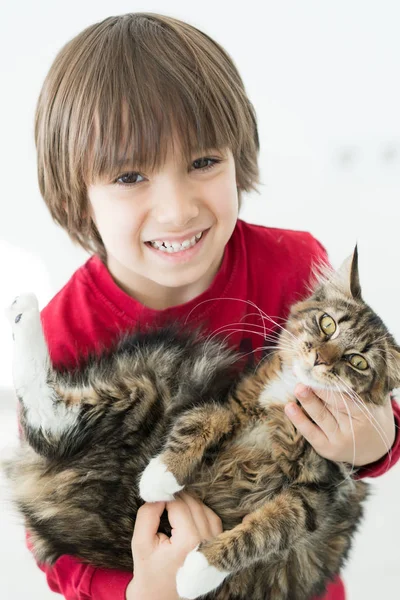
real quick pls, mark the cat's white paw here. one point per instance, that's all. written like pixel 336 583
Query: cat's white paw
pixel 157 483
pixel 196 577
pixel 24 305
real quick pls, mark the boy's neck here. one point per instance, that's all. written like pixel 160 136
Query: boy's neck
pixel 153 295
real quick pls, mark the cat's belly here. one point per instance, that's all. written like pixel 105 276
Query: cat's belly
pixel 240 478
pixel 254 436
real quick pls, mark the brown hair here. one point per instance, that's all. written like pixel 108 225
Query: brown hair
pixel 133 81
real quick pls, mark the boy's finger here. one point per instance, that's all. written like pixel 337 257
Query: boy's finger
pixel 339 403
pixel 305 426
pixel 316 409
pixel 182 522
pixel 146 525
pixel 212 520
pixel 202 516
pixel 179 514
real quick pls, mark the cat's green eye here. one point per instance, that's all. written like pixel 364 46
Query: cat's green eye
pixel 358 362
pixel 327 324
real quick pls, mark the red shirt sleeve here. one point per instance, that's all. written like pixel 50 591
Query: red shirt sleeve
pixel 78 581
pixel 385 463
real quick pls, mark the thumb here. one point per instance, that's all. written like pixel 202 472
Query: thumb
pixel 145 536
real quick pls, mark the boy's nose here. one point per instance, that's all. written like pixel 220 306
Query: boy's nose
pixel 175 206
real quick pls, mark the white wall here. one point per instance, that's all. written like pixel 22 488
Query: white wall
pixel 323 77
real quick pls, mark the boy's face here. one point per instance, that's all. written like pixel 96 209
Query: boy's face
pixel 191 206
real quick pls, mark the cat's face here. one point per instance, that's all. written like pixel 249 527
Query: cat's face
pixel 335 341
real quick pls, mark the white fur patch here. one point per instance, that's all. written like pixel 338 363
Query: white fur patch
pixel 196 577
pixel 157 483
pixel 305 378
pixel 281 389
pixel 30 367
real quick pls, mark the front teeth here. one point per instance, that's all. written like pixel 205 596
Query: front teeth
pixel 172 247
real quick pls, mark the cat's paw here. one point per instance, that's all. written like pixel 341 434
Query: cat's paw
pixel 197 577
pixel 157 483
pixel 25 307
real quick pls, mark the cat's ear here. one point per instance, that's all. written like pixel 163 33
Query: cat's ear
pixel 393 364
pixel 355 286
pixel 347 278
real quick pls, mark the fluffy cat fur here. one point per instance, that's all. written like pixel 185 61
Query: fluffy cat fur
pixel 165 411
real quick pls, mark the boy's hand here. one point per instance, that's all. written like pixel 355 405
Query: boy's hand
pixel 157 557
pixel 343 429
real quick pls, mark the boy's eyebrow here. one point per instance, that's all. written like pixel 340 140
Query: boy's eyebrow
pixel 124 162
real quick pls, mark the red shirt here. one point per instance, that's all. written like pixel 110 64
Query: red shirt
pixel 263 272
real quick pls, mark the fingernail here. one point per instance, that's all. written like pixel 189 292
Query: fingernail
pixel 302 391
pixel 290 409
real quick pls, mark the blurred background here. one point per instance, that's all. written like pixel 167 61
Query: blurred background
pixel 322 77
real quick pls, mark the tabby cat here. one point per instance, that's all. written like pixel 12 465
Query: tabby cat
pixel 167 410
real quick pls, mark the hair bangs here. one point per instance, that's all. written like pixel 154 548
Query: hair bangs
pixel 152 103
pixel 142 137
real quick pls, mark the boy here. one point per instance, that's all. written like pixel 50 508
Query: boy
pixel 145 141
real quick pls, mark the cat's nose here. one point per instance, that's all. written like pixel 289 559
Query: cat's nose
pixel 319 360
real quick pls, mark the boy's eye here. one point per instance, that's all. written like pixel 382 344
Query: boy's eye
pixel 204 163
pixel 133 177
pixel 129 178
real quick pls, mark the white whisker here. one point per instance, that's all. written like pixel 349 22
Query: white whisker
pixel 359 402
pixel 348 476
pixel 351 427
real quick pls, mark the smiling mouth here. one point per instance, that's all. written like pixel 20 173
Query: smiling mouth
pixel 173 247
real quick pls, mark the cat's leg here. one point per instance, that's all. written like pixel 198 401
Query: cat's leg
pixel 44 416
pixel 194 432
pixel 272 529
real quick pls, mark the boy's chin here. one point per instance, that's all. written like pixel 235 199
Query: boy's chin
pixel 182 276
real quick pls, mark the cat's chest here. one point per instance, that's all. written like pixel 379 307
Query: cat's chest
pixel 280 389
pixel 275 394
